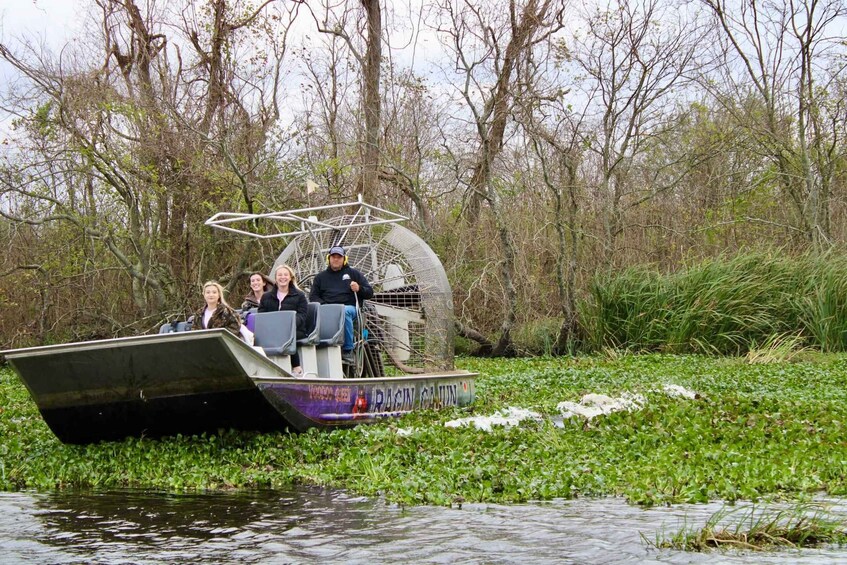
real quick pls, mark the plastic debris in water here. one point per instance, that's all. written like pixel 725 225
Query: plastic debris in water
pixel 509 417
pixel 592 405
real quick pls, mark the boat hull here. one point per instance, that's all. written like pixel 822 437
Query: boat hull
pixel 204 381
pixel 155 385
pixel 341 403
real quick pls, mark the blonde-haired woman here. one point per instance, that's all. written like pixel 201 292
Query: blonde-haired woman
pixel 286 296
pixel 216 313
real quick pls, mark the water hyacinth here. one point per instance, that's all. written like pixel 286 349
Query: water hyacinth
pixel 738 431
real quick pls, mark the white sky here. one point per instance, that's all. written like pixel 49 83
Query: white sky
pixel 49 21
pixel 54 22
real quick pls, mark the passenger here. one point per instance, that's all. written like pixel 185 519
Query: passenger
pixel 340 283
pixel 286 296
pixel 216 313
pixel 259 285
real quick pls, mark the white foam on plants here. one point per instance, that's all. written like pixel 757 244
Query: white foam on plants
pixel 509 417
pixel 590 406
pixel 593 405
pixel 677 390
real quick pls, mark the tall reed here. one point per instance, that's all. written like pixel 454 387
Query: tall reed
pixel 725 305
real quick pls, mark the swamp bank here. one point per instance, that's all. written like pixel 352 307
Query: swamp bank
pixel 751 431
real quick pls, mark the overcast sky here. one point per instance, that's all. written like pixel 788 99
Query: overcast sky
pixel 51 19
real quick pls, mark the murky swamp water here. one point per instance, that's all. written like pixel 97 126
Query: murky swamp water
pixel 316 526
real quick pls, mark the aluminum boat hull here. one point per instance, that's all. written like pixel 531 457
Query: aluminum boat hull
pixel 203 381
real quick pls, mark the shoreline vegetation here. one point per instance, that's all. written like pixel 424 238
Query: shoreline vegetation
pixel 752 528
pixel 756 431
pixel 726 306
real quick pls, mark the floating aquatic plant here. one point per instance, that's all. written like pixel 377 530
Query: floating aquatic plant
pixel 751 431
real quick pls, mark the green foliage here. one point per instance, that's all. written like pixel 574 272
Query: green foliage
pixel 42 121
pixel 724 306
pixel 823 307
pixel 755 431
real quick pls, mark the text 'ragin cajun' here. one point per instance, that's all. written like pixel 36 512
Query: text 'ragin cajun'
pixel 403 398
pixel 439 396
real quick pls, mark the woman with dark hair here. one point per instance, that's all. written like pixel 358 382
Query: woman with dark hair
pixel 259 285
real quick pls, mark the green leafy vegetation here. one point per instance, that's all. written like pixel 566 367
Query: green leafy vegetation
pixel 774 430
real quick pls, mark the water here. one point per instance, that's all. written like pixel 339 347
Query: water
pixel 316 526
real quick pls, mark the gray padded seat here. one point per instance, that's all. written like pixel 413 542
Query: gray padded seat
pixel 312 325
pixel 307 346
pixel 331 338
pixel 182 326
pixel 166 329
pixel 276 332
pixel 331 322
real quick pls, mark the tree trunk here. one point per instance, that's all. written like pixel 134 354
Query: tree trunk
pixel 372 109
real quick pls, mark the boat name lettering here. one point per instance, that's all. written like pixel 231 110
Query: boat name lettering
pixel 437 396
pixel 393 399
pixel 327 392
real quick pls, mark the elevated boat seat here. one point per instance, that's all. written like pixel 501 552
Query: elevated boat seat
pixel 276 334
pixel 175 327
pixel 250 319
pixel 330 340
pixel 307 346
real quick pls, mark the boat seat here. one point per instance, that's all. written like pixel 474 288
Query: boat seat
pixel 331 321
pixel 182 326
pixel 330 340
pixel 276 334
pixel 250 319
pixel 166 329
pixel 307 346
pixel 313 327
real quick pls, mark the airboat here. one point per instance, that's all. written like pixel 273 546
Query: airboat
pixel 190 382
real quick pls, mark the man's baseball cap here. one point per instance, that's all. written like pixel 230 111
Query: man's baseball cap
pixel 337 250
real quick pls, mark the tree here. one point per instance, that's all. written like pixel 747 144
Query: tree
pixel 635 56
pixel 133 145
pixel 370 32
pixel 775 81
pixel 554 132
pixel 489 46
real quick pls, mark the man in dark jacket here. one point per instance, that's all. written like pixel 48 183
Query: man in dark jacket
pixel 340 283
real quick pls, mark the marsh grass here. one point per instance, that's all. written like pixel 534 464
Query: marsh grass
pixel 777 349
pixel 801 525
pixel 725 306
pixel 537 337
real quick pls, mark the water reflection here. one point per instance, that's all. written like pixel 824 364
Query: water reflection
pixel 152 517
pixel 317 526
